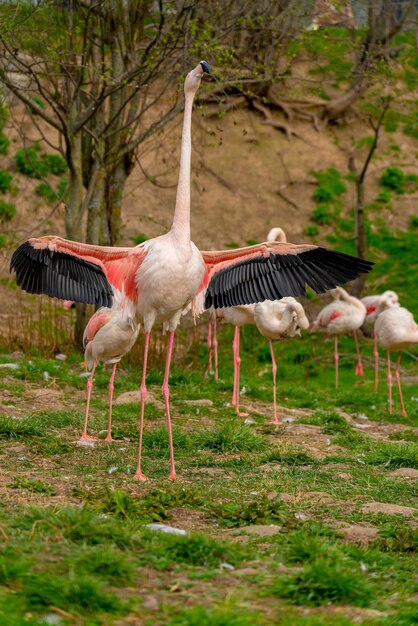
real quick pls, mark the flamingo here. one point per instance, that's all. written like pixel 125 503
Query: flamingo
pixel 242 317
pixel 108 336
pixel 371 303
pixel 277 319
pixel 345 315
pixel 396 329
pixel 161 276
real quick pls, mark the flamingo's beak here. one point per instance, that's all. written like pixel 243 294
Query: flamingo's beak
pixel 205 67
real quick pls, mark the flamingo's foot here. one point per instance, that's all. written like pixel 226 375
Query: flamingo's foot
pixel 404 413
pixel 242 414
pixel 172 476
pixel 359 370
pixel 86 437
pixel 140 476
pixel 110 439
pixel 275 422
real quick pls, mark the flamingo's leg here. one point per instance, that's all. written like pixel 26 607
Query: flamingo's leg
pixel 274 370
pixel 138 473
pixel 166 394
pixel 84 435
pixel 398 381
pixel 336 359
pixel 209 343
pixel 376 364
pixel 235 350
pixel 390 384
pixel 359 366
pixel 215 348
pixel 111 389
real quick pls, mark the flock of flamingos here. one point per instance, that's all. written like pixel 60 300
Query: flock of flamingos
pixel 161 279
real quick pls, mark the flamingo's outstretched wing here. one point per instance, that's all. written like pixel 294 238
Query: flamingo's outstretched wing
pixel 76 271
pixel 271 270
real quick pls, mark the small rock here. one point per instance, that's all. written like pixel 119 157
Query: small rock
pixel 200 402
pixel 151 603
pixel 361 416
pixel 243 391
pixel 288 420
pixel 86 444
pixel 388 509
pixel 84 375
pixel 60 356
pixel 163 528
pixel 52 618
pixel 260 530
pixel 10 366
pixel 363 425
pixel 227 566
pixel 46 376
pixel 405 472
pixel 356 533
pixel 249 420
pixel 112 469
pixel 301 517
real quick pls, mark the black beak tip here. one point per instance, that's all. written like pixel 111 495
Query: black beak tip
pixel 205 67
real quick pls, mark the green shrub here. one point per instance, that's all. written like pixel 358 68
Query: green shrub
pixel 321 214
pixel 413 221
pixel 311 230
pixel 5 180
pixel 7 211
pixel 3 115
pixel 4 144
pixel 137 239
pixel 330 185
pixel 45 191
pixel 28 162
pixel 54 163
pixel 411 127
pixel 393 179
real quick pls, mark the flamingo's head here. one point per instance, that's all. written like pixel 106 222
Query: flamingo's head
pixel 387 300
pixel 193 78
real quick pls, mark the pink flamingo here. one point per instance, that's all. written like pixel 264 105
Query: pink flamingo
pixel 396 329
pixel 371 303
pixel 242 317
pixel 277 319
pixel 343 316
pixel 108 336
pixel 161 276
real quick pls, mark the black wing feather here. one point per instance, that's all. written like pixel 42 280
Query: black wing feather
pixel 60 275
pixel 280 275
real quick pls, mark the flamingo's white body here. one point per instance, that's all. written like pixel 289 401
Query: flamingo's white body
pixel 396 329
pixel 108 336
pixel 345 315
pixel 161 276
pixel 372 303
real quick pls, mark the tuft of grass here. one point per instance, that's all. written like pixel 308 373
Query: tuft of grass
pixel 199 616
pixel 392 455
pixel 34 486
pixel 83 594
pixel 165 550
pixel 231 437
pixel 112 566
pixel 397 538
pixel 19 429
pixel 405 435
pixel 288 455
pixel 322 581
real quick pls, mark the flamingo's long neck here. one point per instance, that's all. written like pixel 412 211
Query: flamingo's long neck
pixel 181 220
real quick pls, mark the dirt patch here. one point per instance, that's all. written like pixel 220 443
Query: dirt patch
pixel 361 534
pixel 311 438
pixel 389 509
pixel 188 520
pixel 405 472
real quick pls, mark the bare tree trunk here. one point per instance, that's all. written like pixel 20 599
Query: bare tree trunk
pixel 361 240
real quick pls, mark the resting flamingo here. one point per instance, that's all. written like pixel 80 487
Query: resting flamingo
pixel 108 336
pixel 396 329
pixel 345 315
pixel 161 276
pixel 371 303
pixel 242 317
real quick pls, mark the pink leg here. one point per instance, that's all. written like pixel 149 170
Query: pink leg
pixel 215 348
pixel 359 367
pixel 274 370
pixel 376 364
pixel 111 388
pixel 235 350
pixel 85 436
pixel 390 385
pixel 398 381
pixel 166 394
pixel 336 359
pixel 138 473
pixel 209 343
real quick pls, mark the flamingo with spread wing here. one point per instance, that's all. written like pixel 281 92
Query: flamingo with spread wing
pixel 161 276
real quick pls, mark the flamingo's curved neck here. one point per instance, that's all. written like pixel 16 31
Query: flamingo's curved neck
pixel 181 220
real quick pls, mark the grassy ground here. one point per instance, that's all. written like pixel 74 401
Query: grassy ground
pixel 298 524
